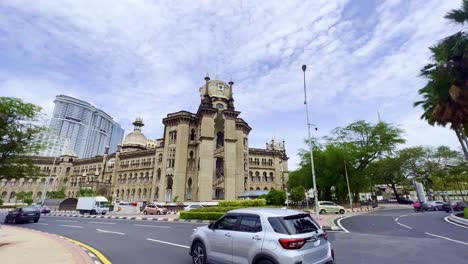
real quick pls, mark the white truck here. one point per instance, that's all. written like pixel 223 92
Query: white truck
pixel 93 205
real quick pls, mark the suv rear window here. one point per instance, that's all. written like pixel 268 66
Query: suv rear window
pixel 294 224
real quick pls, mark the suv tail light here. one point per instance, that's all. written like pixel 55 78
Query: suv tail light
pixel 292 243
pixel 324 235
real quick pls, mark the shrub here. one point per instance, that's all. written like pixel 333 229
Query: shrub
pixel 28 200
pixel 200 215
pixel 466 212
pixel 276 197
pixel 297 194
pixel 1 202
pixel 243 203
pixel 215 209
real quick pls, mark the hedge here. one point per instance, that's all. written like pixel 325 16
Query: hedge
pixel 215 209
pixel 466 212
pixel 243 203
pixel 200 215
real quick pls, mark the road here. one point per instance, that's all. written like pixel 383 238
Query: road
pixel 373 238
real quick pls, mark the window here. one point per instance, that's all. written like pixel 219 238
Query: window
pixel 250 224
pixel 294 224
pixel 219 106
pixel 226 223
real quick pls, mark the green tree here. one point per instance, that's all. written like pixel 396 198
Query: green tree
pixel 28 200
pixel 276 197
pixel 297 194
pixel 445 96
pixel 389 171
pixel 17 129
pixel 86 193
pixel 23 195
pixel 1 201
pixel 60 194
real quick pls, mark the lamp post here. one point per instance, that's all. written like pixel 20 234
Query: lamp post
pixel 304 67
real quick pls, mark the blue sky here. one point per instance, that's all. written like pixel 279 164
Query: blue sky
pixel 148 58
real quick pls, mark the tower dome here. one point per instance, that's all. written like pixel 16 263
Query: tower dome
pixel 217 88
pixel 135 140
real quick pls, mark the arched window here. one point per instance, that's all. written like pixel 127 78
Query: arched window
pixel 192 134
pixel 191 154
pixel 257 176
pixel 219 139
pixel 272 177
pixel 160 157
pixel 251 176
pixel 158 175
pixel 251 188
pixel 265 178
pixel 258 189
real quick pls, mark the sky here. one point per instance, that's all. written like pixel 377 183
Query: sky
pixel 149 58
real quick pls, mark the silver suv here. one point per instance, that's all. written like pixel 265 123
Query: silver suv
pixel 261 236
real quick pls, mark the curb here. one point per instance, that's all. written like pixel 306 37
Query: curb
pixel 458 220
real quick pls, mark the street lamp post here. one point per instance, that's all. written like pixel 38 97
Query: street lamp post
pixel 304 67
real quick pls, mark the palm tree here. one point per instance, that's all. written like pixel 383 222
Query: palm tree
pixel 445 97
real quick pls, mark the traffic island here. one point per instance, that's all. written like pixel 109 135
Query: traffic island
pixel 22 245
pixel 459 218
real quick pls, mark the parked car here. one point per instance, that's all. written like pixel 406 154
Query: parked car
pixel 124 203
pixel 459 206
pixel 433 205
pixel 192 206
pixel 45 210
pixel 330 207
pixel 134 203
pixel 271 235
pixel 154 209
pixel 23 214
pixel 405 201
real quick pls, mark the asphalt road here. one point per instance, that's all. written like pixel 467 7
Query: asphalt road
pixel 373 238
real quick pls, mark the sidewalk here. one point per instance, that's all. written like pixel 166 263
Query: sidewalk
pixel 20 245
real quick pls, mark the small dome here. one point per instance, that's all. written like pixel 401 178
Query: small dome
pixel 217 88
pixel 135 138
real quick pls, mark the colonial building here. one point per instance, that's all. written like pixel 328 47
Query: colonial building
pixel 202 156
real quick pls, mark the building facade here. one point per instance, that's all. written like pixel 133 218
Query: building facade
pixel 202 156
pixel 53 144
pixel 89 129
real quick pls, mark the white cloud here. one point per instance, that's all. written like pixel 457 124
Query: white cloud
pixel 148 58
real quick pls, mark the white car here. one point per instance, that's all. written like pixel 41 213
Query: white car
pixel 192 206
pixel 330 207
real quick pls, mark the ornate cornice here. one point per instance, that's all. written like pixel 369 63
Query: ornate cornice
pixel 242 125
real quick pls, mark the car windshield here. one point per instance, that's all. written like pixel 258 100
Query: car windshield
pixel 103 204
pixel 294 224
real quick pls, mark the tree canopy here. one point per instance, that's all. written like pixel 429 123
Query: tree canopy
pixel 17 129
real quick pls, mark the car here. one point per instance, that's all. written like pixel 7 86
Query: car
pixel 154 209
pixel 23 214
pixel 45 210
pixel 405 201
pixel 433 205
pixel 330 207
pixel 134 203
pixel 459 206
pixel 192 206
pixel 124 203
pixel 261 235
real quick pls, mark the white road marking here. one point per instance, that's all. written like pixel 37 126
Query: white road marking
pixel 71 226
pixel 103 223
pixel 91 255
pixel 448 221
pixel 110 232
pixel 338 222
pixel 40 224
pixel 396 220
pixel 97 262
pixel 153 226
pixel 68 221
pixel 168 243
pixel 446 238
pixel 404 225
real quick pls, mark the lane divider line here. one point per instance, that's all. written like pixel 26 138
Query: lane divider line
pixel 448 221
pixel 153 226
pixel 396 219
pixel 72 226
pixel 338 222
pixel 168 243
pixel 68 221
pixel 40 224
pixel 446 238
pixel 103 223
pixel 110 232
pixel 404 225
pixel 98 254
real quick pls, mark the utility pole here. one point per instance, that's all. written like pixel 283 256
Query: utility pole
pixel 304 67
pixel 349 190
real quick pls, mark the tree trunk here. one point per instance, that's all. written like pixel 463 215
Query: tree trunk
pixel 395 192
pixel 460 190
pixel 460 137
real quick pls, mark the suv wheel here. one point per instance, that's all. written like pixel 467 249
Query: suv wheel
pixel 198 253
pixel 13 221
pixel 145 213
pixel 264 261
pixel 342 211
pixel 158 213
pixel 323 211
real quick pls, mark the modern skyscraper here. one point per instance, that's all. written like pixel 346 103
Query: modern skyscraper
pixel 53 145
pixel 88 128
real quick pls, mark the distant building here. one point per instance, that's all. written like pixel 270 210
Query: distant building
pixel 88 128
pixel 53 145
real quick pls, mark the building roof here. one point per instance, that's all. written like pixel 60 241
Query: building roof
pixel 255 193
